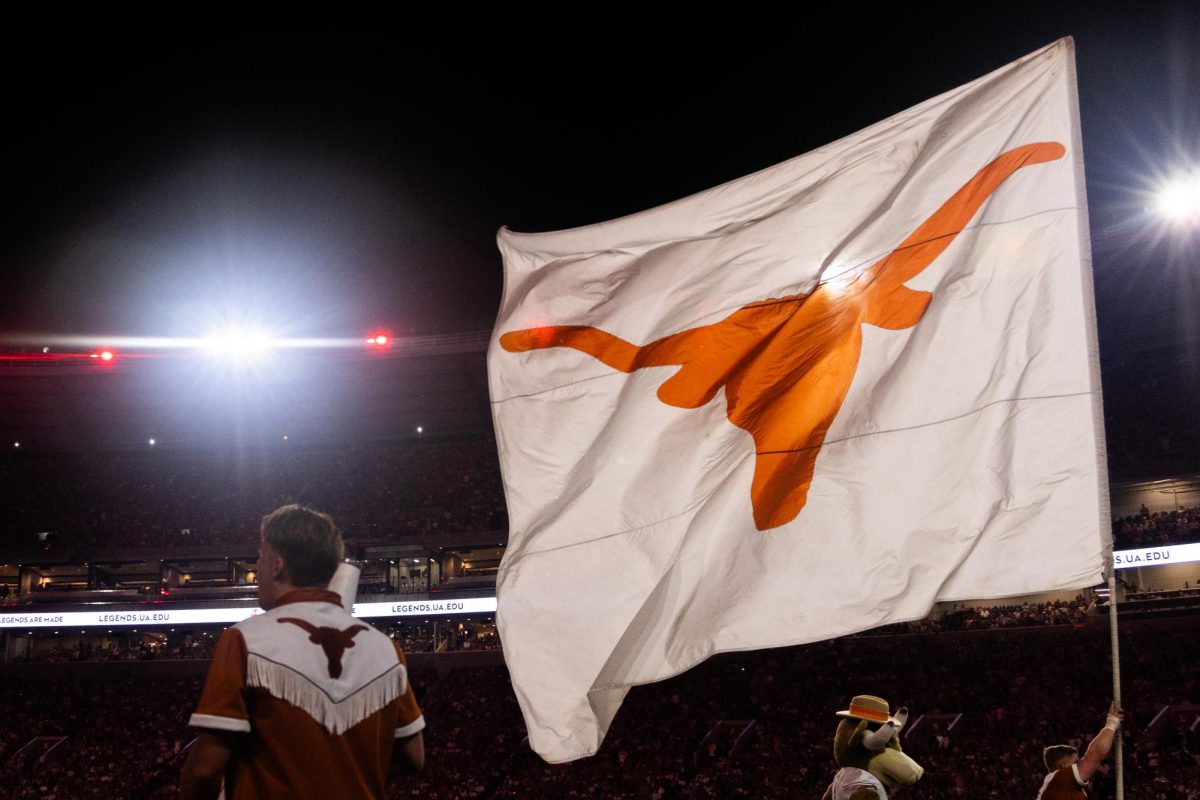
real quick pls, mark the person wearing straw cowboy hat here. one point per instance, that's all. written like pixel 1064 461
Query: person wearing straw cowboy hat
pixel 866 746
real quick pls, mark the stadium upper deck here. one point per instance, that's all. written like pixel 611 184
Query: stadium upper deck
pixel 179 398
pixel 395 443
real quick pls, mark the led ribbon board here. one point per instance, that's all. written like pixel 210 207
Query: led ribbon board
pixel 1157 556
pixel 215 616
pixel 1123 559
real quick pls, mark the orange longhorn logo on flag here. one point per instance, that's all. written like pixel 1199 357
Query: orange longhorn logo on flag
pixel 787 363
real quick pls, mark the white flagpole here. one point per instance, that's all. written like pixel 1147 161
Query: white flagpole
pixel 1105 506
pixel 1116 677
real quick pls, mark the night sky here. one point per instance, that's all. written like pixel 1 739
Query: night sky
pixel 331 176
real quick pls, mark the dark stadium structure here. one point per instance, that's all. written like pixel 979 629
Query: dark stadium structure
pixel 398 447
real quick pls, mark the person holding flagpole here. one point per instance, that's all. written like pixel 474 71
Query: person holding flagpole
pixel 1069 773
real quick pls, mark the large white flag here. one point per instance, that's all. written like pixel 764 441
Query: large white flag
pixel 812 401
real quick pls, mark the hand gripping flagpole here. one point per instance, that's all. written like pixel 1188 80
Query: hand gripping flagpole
pixel 1116 674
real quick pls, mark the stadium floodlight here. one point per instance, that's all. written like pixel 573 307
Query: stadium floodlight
pixel 1179 199
pixel 238 344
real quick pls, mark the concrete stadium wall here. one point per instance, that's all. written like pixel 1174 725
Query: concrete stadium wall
pixel 1167 576
pixel 1127 501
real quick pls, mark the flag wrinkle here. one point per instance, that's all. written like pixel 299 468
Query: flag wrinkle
pixel 651 603
pixel 567 385
pixel 638 628
pixel 683 665
pixel 878 211
pixel 964 415
pixel 526 553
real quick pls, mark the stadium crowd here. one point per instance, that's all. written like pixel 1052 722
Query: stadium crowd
pixel 50 648
pixel 128 740
pixel 1056 612
pixel 1160 528
pixel 125 741
pixel 1024 615
pixel 375 492
pixel 378 492
pixel 122 740
pixel 87 649
pixel 1151 426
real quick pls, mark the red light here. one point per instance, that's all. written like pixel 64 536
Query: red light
pixel 379 340
pixel 106 355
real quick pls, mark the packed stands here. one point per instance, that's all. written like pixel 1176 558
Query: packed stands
pixel 185 498
pixel 1160 528
pixel 122 742
pixel 132 649
pixel 1012 677
pixel 1056 612
pixel 376 492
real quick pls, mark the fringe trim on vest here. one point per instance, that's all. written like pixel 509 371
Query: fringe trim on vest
pixel 292 687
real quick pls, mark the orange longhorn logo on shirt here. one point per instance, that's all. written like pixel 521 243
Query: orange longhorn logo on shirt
pixel 333 641
pixel 787 363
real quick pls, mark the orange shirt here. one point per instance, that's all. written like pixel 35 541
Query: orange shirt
pixel 1062 784
pixel 320 697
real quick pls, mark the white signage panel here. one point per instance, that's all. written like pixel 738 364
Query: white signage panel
pixel 414 608
pixel 206 616
pixel 113 619
pixel 1157 556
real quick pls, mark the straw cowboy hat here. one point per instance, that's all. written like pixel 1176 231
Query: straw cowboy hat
pixel 870 708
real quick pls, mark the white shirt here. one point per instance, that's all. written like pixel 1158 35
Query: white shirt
pixel 849 779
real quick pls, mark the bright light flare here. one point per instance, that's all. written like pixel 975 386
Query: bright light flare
pixel 1179 200
pixel 238 345
pixel 839 277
